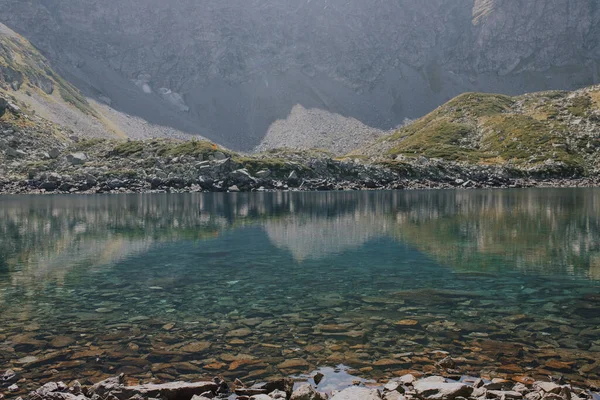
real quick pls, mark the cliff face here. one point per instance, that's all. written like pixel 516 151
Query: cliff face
pixel 228 68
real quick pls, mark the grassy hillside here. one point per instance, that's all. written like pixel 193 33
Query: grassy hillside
pixel 555 131
pixel 22 67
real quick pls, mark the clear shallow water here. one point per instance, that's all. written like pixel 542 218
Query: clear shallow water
pixel 256 285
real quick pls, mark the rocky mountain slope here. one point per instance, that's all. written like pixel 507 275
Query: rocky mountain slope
pixel 546 132
pixel 228 69
pixel 29 78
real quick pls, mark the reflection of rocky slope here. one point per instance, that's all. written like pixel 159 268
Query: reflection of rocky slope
pixel 309 237
pixel 240 65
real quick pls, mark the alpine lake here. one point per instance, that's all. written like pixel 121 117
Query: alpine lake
pixel 165 287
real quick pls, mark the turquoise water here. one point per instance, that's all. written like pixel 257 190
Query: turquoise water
pixel 185 286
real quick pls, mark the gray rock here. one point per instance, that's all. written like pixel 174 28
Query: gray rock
pixel 433 389
pixel 278 394
pixel 53 153
pixel 393 385
pixel 219 156
pixel 261 397
pixel 13 388
pixel 233 189
pixel 77 158
pixel 167 391
pixel 307 392
pixel 519 387
pixel 263 173
pixel 547 387
pixel 49 186
pixel 12 153
pixel 242 176
pixel 15 109
pixel 358 393
pixel 3 106
pixel 393 396
pixel 407 379
pixel 502 394
pixel 447 362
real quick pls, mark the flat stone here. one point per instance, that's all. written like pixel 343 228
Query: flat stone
pixel 559 365
pixel 503 394
pixel 435 390
pixel 62 341
pixel 195 347
pixel 166 391
pixel 358 393
pixel 242 332
pixel 293 363
pixel 548 387
pixel 407 323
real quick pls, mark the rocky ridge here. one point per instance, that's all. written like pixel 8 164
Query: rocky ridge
pixel 37 156
pixel 406 387
pixel 545 132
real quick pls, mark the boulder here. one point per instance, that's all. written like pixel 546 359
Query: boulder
pixel 433 389
pixel 49 186
pixel 284 384
pixel 219 156
pixel 12 153
pixel 292 178
pixel 241 177
pixel 53 153
pixel 393 396
pixel 77 158
pixel 263 173
pixel 3 106
pixel 307 392
pixel 278 394
pixel 548 387
pixel 358 393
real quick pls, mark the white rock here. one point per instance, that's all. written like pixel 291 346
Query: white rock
pixel 76 158
pixel 358 393
pixel 307 392
pixel 435 390
pixel 548 387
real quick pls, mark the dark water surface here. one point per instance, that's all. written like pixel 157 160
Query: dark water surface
pixel 185 286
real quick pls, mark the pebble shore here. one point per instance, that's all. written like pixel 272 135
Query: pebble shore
pixel 406 387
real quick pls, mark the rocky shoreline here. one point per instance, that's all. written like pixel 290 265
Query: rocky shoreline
pixel 406 387
pixel 107 170
pixel 38 157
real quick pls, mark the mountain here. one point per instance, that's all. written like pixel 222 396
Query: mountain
pixel 229 69
pixel 548 131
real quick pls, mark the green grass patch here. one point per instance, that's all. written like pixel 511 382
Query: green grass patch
pixel 478 105
pixel 129 149
pixel 275 165
pixel 580 105
pixel 523 139
pixel 438 139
